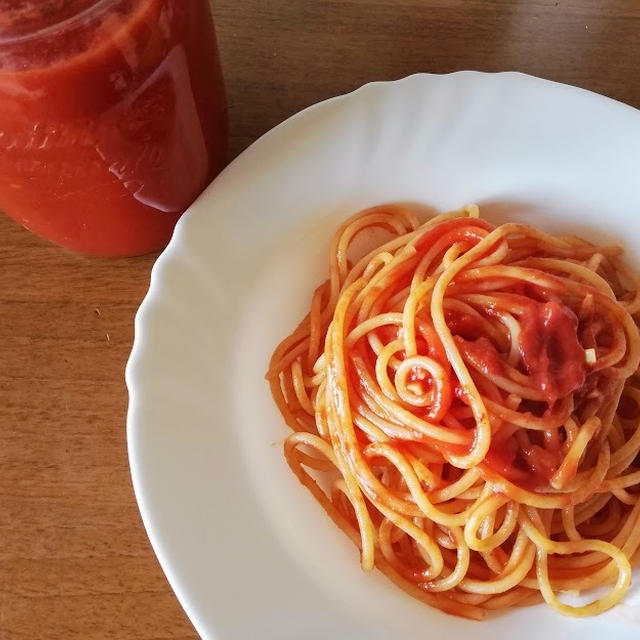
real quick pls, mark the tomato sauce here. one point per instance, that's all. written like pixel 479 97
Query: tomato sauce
pixel 550 349
pixel 112 118
pixel 482 354
pixel 554 359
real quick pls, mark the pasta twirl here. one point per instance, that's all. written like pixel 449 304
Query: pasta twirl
pixel 465 406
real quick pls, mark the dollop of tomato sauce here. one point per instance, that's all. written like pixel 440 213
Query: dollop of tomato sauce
pixel 482 354
pixel 463 325
pixel 554 359
pixel 550 349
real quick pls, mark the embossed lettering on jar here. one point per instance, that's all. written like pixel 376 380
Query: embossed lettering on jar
pixel 112 118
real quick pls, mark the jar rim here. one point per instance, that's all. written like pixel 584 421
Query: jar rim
pixel 92 11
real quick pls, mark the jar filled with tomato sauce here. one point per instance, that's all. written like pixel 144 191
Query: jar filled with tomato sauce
pixel 112 118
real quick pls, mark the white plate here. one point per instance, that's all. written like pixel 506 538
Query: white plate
pixel 246 549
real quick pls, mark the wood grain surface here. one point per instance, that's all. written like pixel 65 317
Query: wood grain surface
pixel 75 563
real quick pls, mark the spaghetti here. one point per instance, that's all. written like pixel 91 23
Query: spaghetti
pixel 465 403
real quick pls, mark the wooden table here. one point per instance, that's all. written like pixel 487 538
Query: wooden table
pixel 75 563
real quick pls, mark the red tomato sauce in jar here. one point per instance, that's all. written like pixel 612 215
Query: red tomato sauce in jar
pixel 112 118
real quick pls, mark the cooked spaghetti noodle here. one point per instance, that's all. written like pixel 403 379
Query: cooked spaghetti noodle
pixel 466 408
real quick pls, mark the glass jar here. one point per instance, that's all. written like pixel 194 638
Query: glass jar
pixel 112 118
